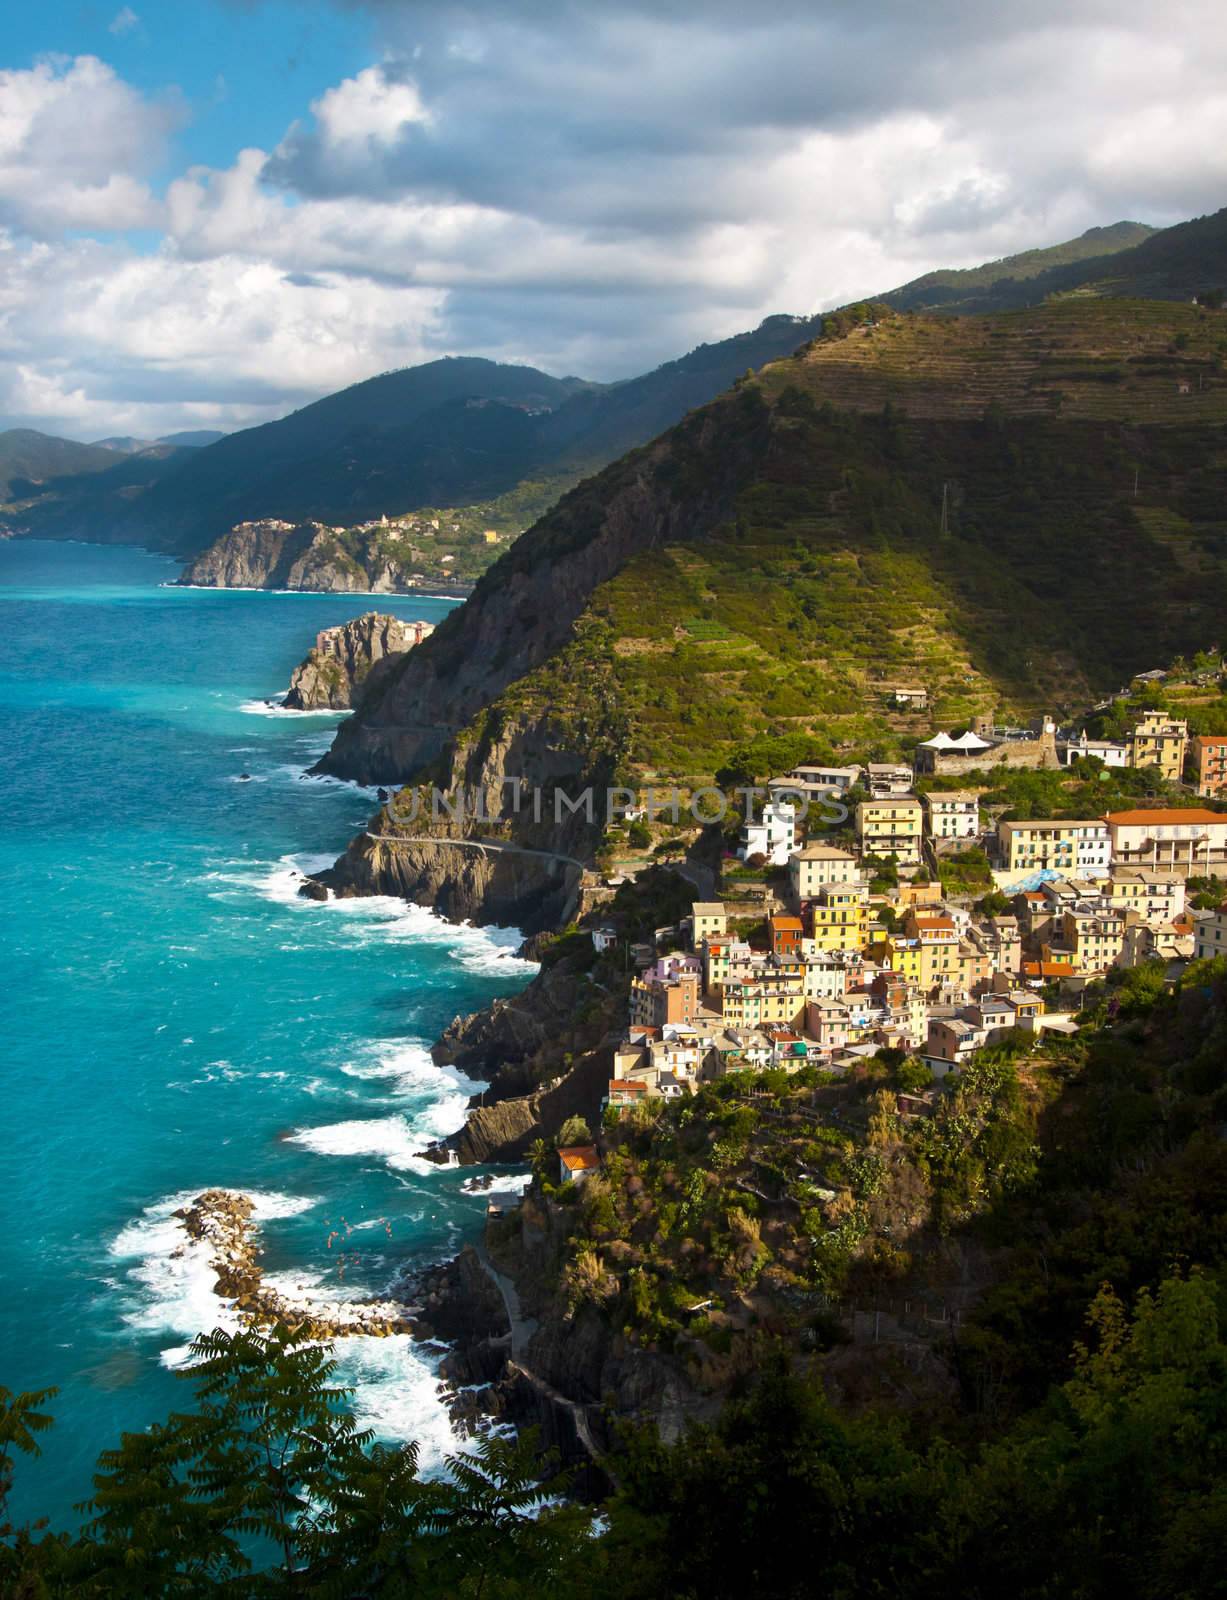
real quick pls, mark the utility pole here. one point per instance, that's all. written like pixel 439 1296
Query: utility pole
pixel 1137 472
pixel 945 509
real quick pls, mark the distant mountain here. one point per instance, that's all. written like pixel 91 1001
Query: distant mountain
pixel 458 428
pixel 449 432
pixel 29 460
pixel 124 444
pixel 1126 260
pixel 598 426
pixel 195 439
pixel 192 438
pixel 463 430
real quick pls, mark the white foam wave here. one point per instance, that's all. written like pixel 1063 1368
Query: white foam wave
pixel 272 707
pixel 290 772
pixel 481 949
pixel 437 1097
pixel 382 919
pixel 172 1275
pixel 390 1139
pixel 168 1284
pixel 503 1183
pixel 396 1393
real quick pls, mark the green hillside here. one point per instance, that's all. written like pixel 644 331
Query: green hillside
pixel 452 434
pixel 952 289
pixel 1126 260
pixel 779 559
pixel 29 459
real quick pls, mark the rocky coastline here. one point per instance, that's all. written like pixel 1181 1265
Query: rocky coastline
pixel 457 1306
pixel 221 1220
pixel 274 554
pixel 343 660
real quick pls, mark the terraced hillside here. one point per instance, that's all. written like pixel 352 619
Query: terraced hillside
pixel 966 506
pixel 1148 361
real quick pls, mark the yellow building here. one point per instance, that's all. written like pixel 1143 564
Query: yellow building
pixel 938 939
pixel 1159 741
pixel 1074 849
pixel 755 1002
pixel 899 954
pixel 892 825
pixel 837 917
pixel 1090 941
pixel 1156 895
pixel 710 921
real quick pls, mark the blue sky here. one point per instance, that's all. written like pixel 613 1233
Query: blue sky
pixel 245 72
pixel 212 212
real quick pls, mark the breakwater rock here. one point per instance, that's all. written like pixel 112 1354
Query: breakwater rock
pixel 221 1221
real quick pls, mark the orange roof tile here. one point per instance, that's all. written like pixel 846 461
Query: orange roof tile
pixel 1137 819
pixel 580 1158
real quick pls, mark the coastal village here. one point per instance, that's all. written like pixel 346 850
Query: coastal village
pixel 874 943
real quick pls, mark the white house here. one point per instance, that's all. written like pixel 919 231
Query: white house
pixel 577 1163
pixel 954 815
pixel 1109 751
pixel 774 835
pixel 1210 934
pixel 1193 840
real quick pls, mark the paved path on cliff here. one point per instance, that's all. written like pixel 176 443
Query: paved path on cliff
pixel 493 846
pixel 703 878
pixel 522 1327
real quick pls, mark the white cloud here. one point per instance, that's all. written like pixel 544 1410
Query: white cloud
pixel 97 339
pixel 76 145
pixel 590 189
pixel 370 108
pixel 123 21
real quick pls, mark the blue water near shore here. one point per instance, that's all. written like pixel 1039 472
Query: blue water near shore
pixel 175 1017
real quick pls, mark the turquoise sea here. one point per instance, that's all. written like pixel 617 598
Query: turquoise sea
pixel 175 1017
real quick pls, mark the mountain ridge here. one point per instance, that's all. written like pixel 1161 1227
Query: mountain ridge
pixel 766 568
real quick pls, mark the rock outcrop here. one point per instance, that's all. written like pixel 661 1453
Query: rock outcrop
pixel 343 658
pixel 221 1223
pixel 273 554
pixel 507 1129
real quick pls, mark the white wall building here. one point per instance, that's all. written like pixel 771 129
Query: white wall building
pixel 773 835
pixel 952 815
pixel 1210 934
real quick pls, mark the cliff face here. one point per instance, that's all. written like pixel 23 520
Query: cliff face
pixel 493 863
pixel 283 555
pixel 343 657
pixel 526 606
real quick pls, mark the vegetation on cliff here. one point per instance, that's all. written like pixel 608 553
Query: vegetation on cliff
pixel 1078 1449
pixel 977 505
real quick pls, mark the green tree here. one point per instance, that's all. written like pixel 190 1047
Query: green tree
pixel 574 1131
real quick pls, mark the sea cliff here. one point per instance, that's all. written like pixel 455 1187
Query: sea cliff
pixel 274 554
pixel 343 658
